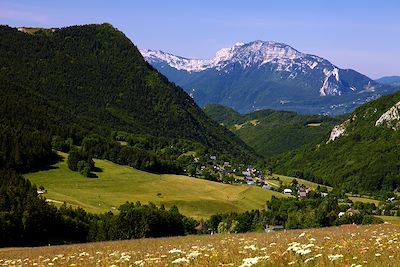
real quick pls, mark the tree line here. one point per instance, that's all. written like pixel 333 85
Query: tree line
pixel 26 219
pixel 292 213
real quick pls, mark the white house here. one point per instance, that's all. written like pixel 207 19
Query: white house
pixel 391 199
pixel 287 191
pixel 41 192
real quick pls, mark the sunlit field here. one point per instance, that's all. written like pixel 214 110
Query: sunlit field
pixel 348 245
pixel 117 184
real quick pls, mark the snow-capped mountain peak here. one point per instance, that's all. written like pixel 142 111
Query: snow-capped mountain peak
pixel 283 58
pixel 254 53
pixel 266 74
pixel 179 63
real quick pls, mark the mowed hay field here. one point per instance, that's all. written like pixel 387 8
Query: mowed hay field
pixel 349 245
pixel 117 184
pixel 288 180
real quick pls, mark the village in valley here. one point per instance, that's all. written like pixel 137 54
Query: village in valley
pixel 230 173
pixel 290 187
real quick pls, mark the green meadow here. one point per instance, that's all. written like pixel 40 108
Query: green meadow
pixel 287 180
pixel 117 184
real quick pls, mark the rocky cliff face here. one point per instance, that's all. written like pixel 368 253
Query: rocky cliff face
pixel 390 118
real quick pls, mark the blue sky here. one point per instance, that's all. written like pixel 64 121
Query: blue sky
pixel 363 35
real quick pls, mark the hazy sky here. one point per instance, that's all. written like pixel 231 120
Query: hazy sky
pixel 359 34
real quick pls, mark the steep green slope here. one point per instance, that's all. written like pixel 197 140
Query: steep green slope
pixel 365 156
pixel 92 79
pixel 272 132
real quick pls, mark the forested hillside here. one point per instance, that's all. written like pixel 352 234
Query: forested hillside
pixel 361 155
pixel 272 132
pixel 87 90
pixel 79 80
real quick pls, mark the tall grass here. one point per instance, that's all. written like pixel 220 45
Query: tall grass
pixel 349 245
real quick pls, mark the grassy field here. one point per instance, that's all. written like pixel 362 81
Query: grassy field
pixel 288 180
pixel 314 124
pixel 365 200
pixel 390 219
pixel 117 184
pixel 348 245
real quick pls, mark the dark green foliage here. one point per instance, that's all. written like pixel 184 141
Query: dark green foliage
pixel 80 161
pixel 149 157
pixel 135 220
pixel 22 146
pixel 58 143
pixel 292 213
pixel 73 159
pixel 365 160
pixel 138 221
pixel 254 220
pixel 272 132
pixel 83 168
pixel 368 219
pixel 26 218
pixel 92 79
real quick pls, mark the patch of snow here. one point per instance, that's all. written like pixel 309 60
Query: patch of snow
pixel 179 63
pixel 312 64
pixel 255 53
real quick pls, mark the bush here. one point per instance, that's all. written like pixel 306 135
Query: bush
pixel 369 219
pixel 80 161
pixel 83 168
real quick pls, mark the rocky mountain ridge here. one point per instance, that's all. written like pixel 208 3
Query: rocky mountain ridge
pixel 266 74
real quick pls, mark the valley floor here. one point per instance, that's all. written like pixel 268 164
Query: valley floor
pixel 115 184
pixel 348 245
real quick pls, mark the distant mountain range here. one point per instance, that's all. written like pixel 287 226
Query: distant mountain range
pixel 260 75
pixel 390 80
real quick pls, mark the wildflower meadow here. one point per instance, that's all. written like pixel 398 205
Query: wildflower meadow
pixel 348 245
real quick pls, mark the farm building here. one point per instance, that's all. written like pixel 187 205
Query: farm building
pixel 287 191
